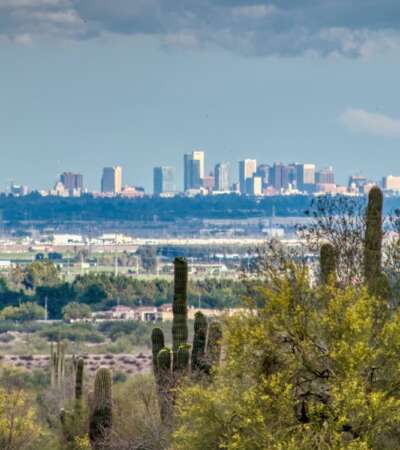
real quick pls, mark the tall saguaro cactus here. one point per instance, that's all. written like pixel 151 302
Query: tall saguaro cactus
pixel 199 341
pixel 373 241
pixel 179 306
pixel 101 416
pixel 327 263
pixel 57 364
pixel 79 379
pixel 157 344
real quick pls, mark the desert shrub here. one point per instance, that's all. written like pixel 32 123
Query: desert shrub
pixel 73 332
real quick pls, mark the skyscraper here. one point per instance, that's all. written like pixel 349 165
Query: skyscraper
pixel 263 171
pixel 254 185
pixel 193 170
pixel 198 155
pixel 325 176
pixel 222 177
pixel 72 181
pixel 305 177
pixel 357 183
pixel 276 176
pixel 247 168
pixel 163 180
pixel 111 181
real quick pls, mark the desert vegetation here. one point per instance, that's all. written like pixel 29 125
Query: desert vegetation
pixel 310 363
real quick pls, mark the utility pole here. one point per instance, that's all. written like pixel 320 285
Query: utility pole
pixel 81 264
pixel 115 263
pixel 68 262
pixel 157 266
pixel 45 309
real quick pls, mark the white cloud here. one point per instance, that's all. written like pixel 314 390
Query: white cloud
pixel 258 27
pixel 377 124
pixel 23 39
pixel 182 40
pixel 29 3
pixel 255 11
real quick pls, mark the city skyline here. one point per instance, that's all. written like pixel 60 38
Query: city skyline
pixel 252 178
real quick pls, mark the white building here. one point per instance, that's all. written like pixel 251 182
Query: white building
pixel 391 183
pixel 247 169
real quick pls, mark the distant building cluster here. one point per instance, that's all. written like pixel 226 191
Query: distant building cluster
pixel 153 314
pixel 259 179
pixel 252 179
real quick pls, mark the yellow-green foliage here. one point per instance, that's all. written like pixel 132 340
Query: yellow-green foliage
pixel 19 427
pixel 334 352
pixel 82 443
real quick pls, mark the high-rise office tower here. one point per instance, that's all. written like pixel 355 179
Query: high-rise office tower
pixel 163 180
pixel 391 183
pixel 263 171
pixel 357 183
pixel 193 170
pixel 254 185
pixel 111 181
pixel 325 176
pixel 72 181
pixel 276 176
pixel 305 177
pixel 221 177
pixel 198 155
pixel 247 168
pixel 283 176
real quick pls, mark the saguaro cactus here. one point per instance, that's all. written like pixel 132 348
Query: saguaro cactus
pixel 373 241
pixel 101 416
pixel 183 358
pixel 214 344
pixel 179 307
pixel 199 341
pixel 327 263
pixel 79 379
pixel 57 364
pixel 164 382
pixel 157 343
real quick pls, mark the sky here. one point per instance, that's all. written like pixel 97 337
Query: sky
pixel 91 83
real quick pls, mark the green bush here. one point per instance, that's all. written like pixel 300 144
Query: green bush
pixel 73 332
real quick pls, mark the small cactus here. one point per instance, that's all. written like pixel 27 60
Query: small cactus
pixel 327 263
pixel 164 383
pixel 183 358
pixel 157 343
pixel 101 416
pixel 199 341
pixel 164 362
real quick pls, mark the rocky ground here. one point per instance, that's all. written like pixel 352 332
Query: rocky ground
pixel 126 363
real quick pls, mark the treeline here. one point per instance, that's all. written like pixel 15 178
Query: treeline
pixel 87 208
pixel 42 283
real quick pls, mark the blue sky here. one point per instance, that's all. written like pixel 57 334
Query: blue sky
pixel 89 83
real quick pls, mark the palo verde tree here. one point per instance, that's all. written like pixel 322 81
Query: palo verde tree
pixel 314 369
